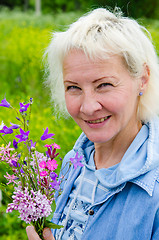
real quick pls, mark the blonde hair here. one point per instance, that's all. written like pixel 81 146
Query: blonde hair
pixel 100 33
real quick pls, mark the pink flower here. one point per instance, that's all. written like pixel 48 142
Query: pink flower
pixel 48 145
pixel 42 164
pixel 56 146
pixel 52 165
pixel 5 149
pixel 5 154
pixel 11 178
pixel 43 173
pixel 51 150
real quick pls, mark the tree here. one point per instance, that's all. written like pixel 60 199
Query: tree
pixel 38 7
pixel 26 5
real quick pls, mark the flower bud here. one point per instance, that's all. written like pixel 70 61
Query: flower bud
pixel 32 149
pixel 31 100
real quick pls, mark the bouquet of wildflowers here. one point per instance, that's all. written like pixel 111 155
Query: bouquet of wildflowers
pixel 32 173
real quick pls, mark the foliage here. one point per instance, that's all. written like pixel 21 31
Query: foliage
pixel 22 47
pixel 153 27
pixel 12 228
pixel 133 8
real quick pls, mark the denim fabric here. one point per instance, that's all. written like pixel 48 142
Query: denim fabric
pixel 130 209
pixel 81 201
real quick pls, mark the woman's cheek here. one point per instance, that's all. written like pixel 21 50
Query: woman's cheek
pixel 115 103
pixel 73 105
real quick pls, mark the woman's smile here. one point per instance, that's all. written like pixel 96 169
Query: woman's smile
pixel 100 120
pixel 98 123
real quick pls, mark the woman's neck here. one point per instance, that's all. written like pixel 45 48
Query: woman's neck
pixel 110 153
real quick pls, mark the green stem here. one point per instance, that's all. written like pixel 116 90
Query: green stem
pixel 36 161
pixel 3 139
pixel 21 177
pixel 29 115
pixel 39 226
pixel 15 111
pixel 24 122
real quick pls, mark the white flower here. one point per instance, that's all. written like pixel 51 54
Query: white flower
pixel 2 125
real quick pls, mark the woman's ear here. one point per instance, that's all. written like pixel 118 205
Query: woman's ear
pixel 145 78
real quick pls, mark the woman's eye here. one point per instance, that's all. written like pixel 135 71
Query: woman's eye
pixel 73 88
pixel 105 85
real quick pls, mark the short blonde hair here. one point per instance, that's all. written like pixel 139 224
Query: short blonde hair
pixel 100 33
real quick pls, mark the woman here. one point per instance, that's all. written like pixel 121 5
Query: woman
pixel 104 69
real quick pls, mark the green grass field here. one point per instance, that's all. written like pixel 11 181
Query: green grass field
pixel 23 39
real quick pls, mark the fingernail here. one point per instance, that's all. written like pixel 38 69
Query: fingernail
pixel 46 232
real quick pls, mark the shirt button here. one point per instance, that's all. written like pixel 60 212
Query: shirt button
pixel 91 212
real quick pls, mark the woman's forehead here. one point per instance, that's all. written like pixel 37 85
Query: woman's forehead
pixel 77 58
pixel 77 65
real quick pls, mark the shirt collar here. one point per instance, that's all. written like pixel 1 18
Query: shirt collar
pixel 147 181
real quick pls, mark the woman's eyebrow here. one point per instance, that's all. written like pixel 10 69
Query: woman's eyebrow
pixel 104 77
pixel 70 81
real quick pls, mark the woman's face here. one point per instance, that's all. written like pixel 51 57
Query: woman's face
pixel 101 96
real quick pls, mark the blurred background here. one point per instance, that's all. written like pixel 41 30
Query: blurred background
pixel 25 31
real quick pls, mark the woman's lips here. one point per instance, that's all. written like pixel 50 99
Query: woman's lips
pixel 100 120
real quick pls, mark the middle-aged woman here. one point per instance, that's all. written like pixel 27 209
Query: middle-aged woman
pixel 104 69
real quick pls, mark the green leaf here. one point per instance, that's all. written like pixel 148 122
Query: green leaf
pixel 52 225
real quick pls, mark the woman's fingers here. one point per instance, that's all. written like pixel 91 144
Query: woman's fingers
pixel 47 234
pixel 32 234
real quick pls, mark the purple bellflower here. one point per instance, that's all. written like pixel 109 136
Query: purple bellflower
pixel 46 135
pixel 76 161
pixel 15 144
pixel 4 103
pixel 23 136
pixel 56 185
pixel 32 145
pixel 25 163
pixel 6 130
pixel 21 170
pixel 31 100
pixel 15 164
pixel 14 126
pixel 53 175
pixel 23 108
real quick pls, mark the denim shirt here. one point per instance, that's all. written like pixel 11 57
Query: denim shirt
pixel 130 209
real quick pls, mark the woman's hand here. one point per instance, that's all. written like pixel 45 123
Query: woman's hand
pixel 32 234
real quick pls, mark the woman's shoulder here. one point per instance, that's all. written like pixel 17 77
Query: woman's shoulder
pixel 67 157
pixel 156 187
pixel 149 182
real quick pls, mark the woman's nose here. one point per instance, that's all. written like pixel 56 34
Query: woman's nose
pixel 90 105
